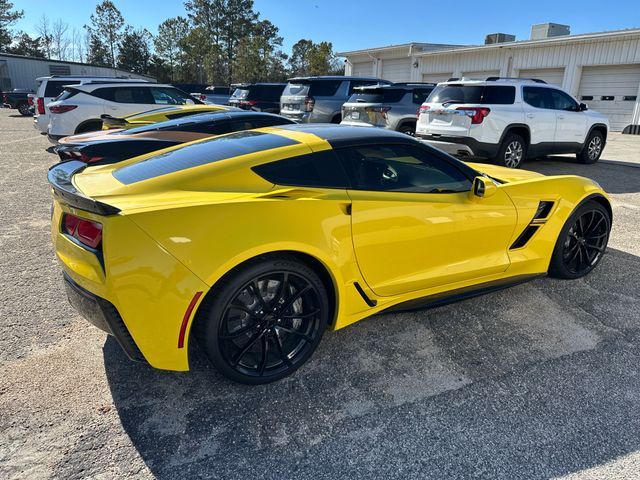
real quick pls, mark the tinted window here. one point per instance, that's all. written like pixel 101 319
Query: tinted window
pixel 402 168
pixel 320 169
pixel 201 153
pixel 268 93
pixel 378 95
pixel 55 87
pixel 420 95
pixel 240 93
pixel 537 97
pixel 124 94
pixel 478 94
pixel 296 89
pixel 324 88
pixel 562 101
pixel 169 96
pixel 218 90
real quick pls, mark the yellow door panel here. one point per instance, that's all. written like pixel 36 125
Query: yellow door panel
pixel 411 241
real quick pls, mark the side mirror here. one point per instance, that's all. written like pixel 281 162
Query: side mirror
pixel 582 107
pixel 483 187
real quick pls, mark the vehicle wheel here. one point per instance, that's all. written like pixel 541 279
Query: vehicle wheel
pixel 581 242
pixel 265 320
pixel 24 109
pixel 592 148
pixel 89 127
pixel 512 152
pixel 408 129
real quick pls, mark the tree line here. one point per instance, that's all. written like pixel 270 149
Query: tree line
pixel 217 42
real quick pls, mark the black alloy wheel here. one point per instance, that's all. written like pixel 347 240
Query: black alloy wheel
pixel 581 245
pixel 268 324
pixel 24 109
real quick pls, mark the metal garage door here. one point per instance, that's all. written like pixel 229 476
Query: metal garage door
pixel 612 90
pixel 362 69
pixel 553 76
pixel 436 77
pixel 397 69
pixel 482 74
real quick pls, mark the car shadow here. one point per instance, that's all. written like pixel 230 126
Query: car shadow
pixel 536 381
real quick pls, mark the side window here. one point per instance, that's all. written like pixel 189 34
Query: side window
pixel 562 101
pixel 420 95
pixel 209 128
pixel 320 169
pixel 402 168
pixel 168 96
pixel 537 97
pixel 325 88
pixel 499 95
pixel 124 95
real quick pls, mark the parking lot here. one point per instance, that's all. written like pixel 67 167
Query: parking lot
pixel 538 381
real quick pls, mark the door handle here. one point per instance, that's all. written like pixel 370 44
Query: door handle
pixel 561 117
pixel 530 115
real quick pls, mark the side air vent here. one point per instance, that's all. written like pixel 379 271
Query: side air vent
pixel 544 209
pixel 525 236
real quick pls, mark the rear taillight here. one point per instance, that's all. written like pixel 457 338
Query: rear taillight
pixel 87 232
pixel 30 101
pixel 423 109
pixel 202 98
pixel 477 114
pixel 62 108
pixel 309 103
pixel 89 158
pixel 40 102
pixel 5 99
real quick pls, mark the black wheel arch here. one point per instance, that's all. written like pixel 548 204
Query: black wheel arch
pixel 407 121
pixel 600 127
pixel 80 127
pixel 521 129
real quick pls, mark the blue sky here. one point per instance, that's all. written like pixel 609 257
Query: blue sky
pixel 353 25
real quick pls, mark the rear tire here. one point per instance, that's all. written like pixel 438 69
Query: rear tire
pixel 582 242
pixel 265 320
pixel 408 129
pixel 24 109
pixel 592 149
pixel 89 127
pixel 512 152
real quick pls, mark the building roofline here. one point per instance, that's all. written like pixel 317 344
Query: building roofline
pixel 408 46
pixel 67 62
pixel 543 41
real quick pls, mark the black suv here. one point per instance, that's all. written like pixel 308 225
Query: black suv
pixel 260 97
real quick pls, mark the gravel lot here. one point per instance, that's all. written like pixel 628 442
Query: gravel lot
pixel 538 381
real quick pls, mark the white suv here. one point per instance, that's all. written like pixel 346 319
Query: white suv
pixel 508 120
pixel 80 107
pixel 51 87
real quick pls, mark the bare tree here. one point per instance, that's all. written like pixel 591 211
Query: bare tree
pixel 75 45
pixel 44 30
pixel 60 42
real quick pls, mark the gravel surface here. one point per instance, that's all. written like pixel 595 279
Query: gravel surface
pixel 538 381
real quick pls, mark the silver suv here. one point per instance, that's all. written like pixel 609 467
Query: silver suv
pixel 393 107
pixel 320 99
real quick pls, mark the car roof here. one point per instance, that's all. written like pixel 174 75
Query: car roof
pixel 89 87
pixel 344 135
pixel 495 81
pixel 334 77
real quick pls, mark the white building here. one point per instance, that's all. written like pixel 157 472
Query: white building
pixel 599 69
pixel 17 71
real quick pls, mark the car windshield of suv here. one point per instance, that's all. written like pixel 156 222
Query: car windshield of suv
pixel 240 93
pixel 377 95
pixel 478 94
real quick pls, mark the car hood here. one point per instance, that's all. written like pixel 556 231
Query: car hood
pixel 506 175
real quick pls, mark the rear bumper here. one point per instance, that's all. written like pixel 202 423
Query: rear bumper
pixel 461 146
pixel 297 117
pixel 102 314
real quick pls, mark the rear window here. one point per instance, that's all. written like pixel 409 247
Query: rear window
pixel 55 87
pixel 314 88
pixel 218 90
pixel 379 95
pixel 66 93
pixel 478 94
pixel 202 153
pixel 240 93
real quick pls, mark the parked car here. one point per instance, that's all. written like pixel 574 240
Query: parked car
pixel 18 98
pixel 508 120
pixel 320 99
pixel 49 88
pixel 115 145
pixel 393 107
pixel 248 242
pixel 158 115
pixel 259 97
pixel 80 107
pixel 215 95
pixel 190 88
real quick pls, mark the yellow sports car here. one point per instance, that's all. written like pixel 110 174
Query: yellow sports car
pixel 254 242
pixel 159 115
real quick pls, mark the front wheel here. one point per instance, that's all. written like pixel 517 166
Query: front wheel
pixel 512 152
pixel 265 320
pixel 582 242
pixel 592 148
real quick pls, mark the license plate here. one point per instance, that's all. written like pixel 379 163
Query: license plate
pixel 289 106
pixel 355 115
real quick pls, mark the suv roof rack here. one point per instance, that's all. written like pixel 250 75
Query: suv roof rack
pixel 494 79
pixel 408 84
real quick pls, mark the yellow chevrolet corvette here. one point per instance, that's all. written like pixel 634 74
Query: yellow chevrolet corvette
pixel 159 115
pixel 255 242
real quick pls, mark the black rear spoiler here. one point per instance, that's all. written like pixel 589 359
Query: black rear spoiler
pixel 60 176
